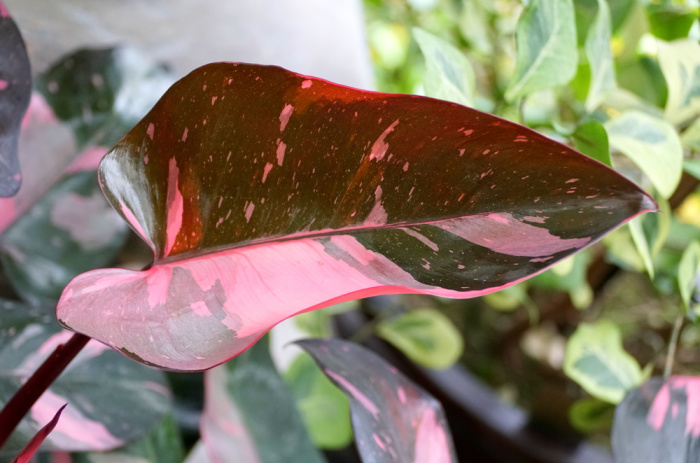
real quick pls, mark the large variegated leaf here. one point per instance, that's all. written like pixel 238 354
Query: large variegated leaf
pixel 265 193
pixel 137 397
pixel 15 90
pixel 394 420
pixel 659 422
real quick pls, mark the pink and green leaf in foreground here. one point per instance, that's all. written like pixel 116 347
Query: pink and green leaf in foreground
pixel 138 397
pixel 659 422
pixel 394 420
pixel 15 91
pixel 264 193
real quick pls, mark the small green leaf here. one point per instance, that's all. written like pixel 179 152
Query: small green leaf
pixel 600 57
pixel 546 41
pixel 569 275
pixel 680 64
pixel 688 271
pixel 649 234
pixel 449 74
pixel 324 408
pixel 652 144
pixel 590 415
pixel 426 336
pixel 670 21
pixel 596 360
pixel 591 139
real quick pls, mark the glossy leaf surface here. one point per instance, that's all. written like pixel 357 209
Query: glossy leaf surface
pixel 394 420
pixel 265 193
pixel 250 415
pixel 15 91
pixel 659 422
pixel 138 396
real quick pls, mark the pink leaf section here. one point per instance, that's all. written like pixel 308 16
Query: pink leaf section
pixel 663 408
pixel 264 193
pixel 28 452
pixel 394 420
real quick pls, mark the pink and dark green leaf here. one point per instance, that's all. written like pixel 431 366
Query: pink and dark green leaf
pixel 659 422
pixel 15 91
pixel 250 414
pixel 138 397
pixel 102 93
pixel 70 230
pixel 394 420
pixel 264 193
pixel 25 455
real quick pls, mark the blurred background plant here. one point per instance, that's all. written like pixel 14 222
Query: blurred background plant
pixel 619 81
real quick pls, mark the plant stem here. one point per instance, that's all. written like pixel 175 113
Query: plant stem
pixel 673 342
pixel 43 377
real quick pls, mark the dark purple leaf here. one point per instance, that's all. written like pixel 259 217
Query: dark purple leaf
pixel 659 422
pixel 394 420
pixel 264 193
pixel 28 452
pixel 15 90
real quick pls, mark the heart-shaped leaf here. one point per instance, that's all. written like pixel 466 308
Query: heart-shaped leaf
pixel 394 420
pixel 600 57
pixel 659 422
pixel 15 91
pixel 265 193
pixel 138 396
pixel 250 414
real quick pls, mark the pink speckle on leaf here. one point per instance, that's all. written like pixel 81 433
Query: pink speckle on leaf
pixel 431 441
pixel 380 147
pixel 266 170
pixel 285 115
pixel 354 392
pixel 3 84
pixel 306 84
pixel 184 135
pixel 250 207
pixel 405 167
pixel 4 12
pixel 174 205
pixel 659 407
pixel 281 147
pixel 150 130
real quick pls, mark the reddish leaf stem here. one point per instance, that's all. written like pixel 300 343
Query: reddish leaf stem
pixel 43 377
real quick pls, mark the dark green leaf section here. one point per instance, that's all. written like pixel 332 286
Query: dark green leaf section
pixel 138 397
pixel 248 394
pixel 70 230
pixel 15 91
pixel 659 422
pixel 102 93
pixel 237 154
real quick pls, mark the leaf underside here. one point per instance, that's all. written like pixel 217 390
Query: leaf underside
pixel 264 193
pixel 394 420
pixel 15 91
